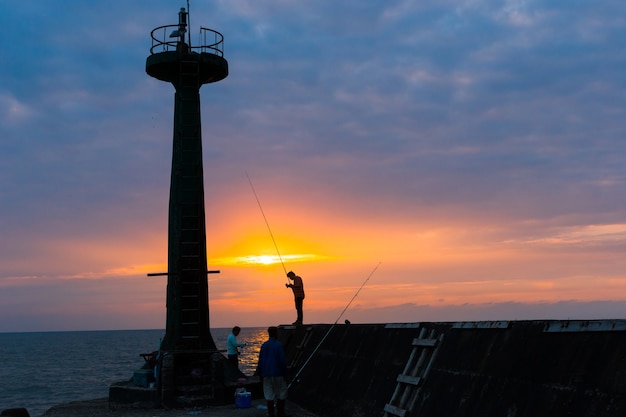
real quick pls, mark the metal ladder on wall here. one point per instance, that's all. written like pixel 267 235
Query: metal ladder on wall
pixel 300 348
pixel 409 382
pixel 190 285
pixel 192 270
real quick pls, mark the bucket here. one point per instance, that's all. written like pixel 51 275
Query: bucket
pixel 243 399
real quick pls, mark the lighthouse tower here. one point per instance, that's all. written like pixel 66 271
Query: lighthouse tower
pixel 188 346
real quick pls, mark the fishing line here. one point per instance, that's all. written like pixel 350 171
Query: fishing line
pixel 266 222
pixel 295 378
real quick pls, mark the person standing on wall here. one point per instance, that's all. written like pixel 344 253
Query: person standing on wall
pixel 232 347
pixel 298 294
pixel 272 368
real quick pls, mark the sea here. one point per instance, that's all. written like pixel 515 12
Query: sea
pixel 39 370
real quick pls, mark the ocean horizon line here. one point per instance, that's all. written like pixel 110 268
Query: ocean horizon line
pixel 115 330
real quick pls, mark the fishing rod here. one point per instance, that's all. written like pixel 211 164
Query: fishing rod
pixel 297 375
pixel 266 222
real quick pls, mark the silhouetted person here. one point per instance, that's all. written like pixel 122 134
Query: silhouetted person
pixel 298 294
pixel 272 368
pixel 232 347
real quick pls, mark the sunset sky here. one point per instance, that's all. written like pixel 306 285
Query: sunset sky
pixel 460 160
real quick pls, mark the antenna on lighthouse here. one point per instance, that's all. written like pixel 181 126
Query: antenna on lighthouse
pixel 182 26
pixel 189 23
pixel 184 21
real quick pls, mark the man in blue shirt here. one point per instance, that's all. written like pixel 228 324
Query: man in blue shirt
pixel 232 347
pixel 272 369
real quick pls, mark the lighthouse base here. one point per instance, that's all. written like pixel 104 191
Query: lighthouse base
pixel 192 379
pixel 186 379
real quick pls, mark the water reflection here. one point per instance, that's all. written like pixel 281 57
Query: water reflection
pixel 253 337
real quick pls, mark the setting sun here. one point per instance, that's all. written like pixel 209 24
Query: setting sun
pixel 266 259
pixel 262 259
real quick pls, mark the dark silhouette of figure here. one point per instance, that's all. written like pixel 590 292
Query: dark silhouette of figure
pixel 272 368
pixel 298 294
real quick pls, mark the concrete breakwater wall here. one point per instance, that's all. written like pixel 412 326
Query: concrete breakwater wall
pixel 504 369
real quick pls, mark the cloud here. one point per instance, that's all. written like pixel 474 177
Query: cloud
pixel 477 142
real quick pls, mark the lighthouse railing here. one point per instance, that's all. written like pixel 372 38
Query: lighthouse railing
pixel 210 41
